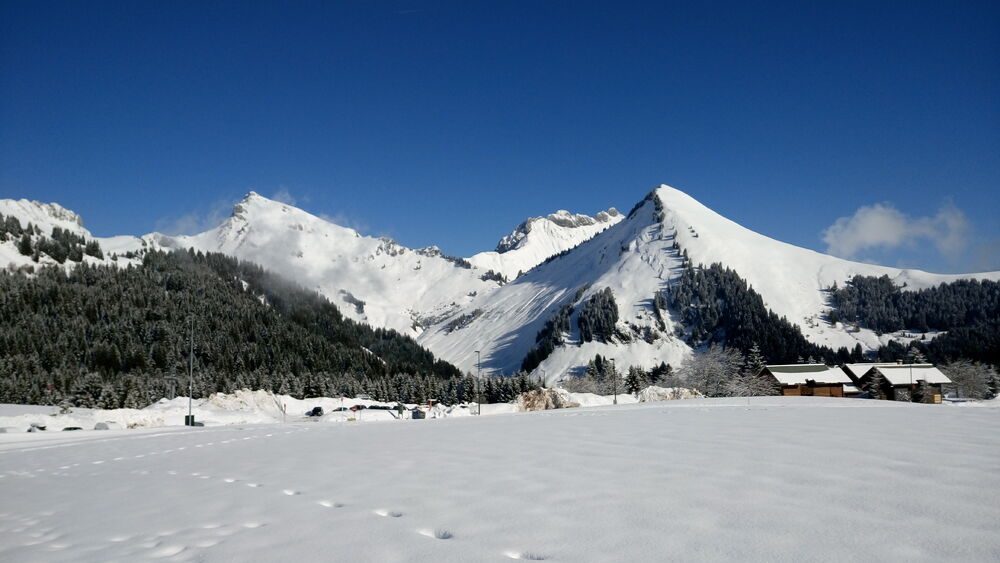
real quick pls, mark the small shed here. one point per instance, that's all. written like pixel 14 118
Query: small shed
pixel 908 382
pixel 818 380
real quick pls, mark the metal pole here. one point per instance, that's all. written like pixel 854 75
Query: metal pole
pixel 191 367
pixel 614 379
pixel 479 383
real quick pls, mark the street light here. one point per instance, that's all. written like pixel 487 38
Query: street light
pixel 189 419
pixel 479 383
pixel 614 379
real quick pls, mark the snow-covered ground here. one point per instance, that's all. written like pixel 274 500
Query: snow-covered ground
pixel 780 479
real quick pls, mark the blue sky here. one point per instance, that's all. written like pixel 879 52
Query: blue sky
pixel 449 122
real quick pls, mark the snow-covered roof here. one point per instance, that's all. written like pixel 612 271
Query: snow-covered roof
pixel 800 374
pixel 851 388
pixel 858 370
pixel 904 374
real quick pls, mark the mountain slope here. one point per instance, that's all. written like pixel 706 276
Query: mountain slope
pixel 538 238
pixel 372 280
pixel 456 306
pixel 250 328
pixel 639 257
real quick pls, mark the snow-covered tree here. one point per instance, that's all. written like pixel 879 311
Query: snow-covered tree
pixel 709 371
pixel 970 379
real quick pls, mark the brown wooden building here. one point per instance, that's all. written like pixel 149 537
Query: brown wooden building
pixel 903 382
pixel 817 380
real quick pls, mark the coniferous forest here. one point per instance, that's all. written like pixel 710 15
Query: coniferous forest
pixel 968 310
pixel 717 306
pixel 109 337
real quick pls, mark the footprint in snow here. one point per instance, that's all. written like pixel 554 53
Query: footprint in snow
pixel 439 534
pixel 291 492
pixel 525 555
pixel 329 504
pixel 388 513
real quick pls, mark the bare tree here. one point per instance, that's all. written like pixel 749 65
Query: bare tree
pixel 970 379
pixel 711 370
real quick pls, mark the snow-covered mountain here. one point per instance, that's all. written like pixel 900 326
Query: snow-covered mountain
pixel 538 238
pixel 456 307
pixel 636 258
pixel 373 280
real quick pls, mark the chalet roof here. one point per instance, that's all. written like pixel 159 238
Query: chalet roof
pixel 800 374
pixel 858 370
pixel 903 374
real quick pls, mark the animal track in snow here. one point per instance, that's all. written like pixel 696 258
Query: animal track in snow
pixel 438 533
pixel 525 556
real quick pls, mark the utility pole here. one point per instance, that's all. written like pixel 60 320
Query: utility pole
pixel 189 419
pixel 614 379
pixel 479 383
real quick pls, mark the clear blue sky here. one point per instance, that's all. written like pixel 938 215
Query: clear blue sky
pixel 449 122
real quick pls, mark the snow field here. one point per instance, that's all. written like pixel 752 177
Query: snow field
pixel 783 479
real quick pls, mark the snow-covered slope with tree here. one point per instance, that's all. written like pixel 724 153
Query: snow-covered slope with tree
pixel 636 259
pixel 456 308
pixel 538 238
pixel 374 280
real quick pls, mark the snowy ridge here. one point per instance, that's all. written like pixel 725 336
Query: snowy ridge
pixel 455 310
pixel 538 238
pixel 372 280
pixel 47 216
pixel 791 279
pixel 635 259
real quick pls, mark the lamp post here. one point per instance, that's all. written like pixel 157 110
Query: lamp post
pixel 479 384
pixel 614 380
pixel 189 419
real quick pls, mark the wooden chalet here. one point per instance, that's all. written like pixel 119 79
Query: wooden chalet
pixel 818 380
pixel 903 382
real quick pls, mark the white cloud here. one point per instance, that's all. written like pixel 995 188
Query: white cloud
pixel 883 227
pixel 284 196
pixel 195 222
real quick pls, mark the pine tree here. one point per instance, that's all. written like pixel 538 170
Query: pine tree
pixel 755 361
pixel 634 380
pixel 24 246
pixel 875 384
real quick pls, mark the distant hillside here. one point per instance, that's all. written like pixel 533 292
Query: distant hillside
pixel 108 334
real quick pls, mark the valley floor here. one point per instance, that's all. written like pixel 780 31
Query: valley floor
pixel 775 479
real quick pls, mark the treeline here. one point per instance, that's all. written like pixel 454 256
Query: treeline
pixel 879 304
pixel 548 338
pixel 129 328
pixel 61 245
pixel 717 306
pixel 969 310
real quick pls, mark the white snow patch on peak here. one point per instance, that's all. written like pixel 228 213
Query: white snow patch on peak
pixel 43 215
pixel 539 238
